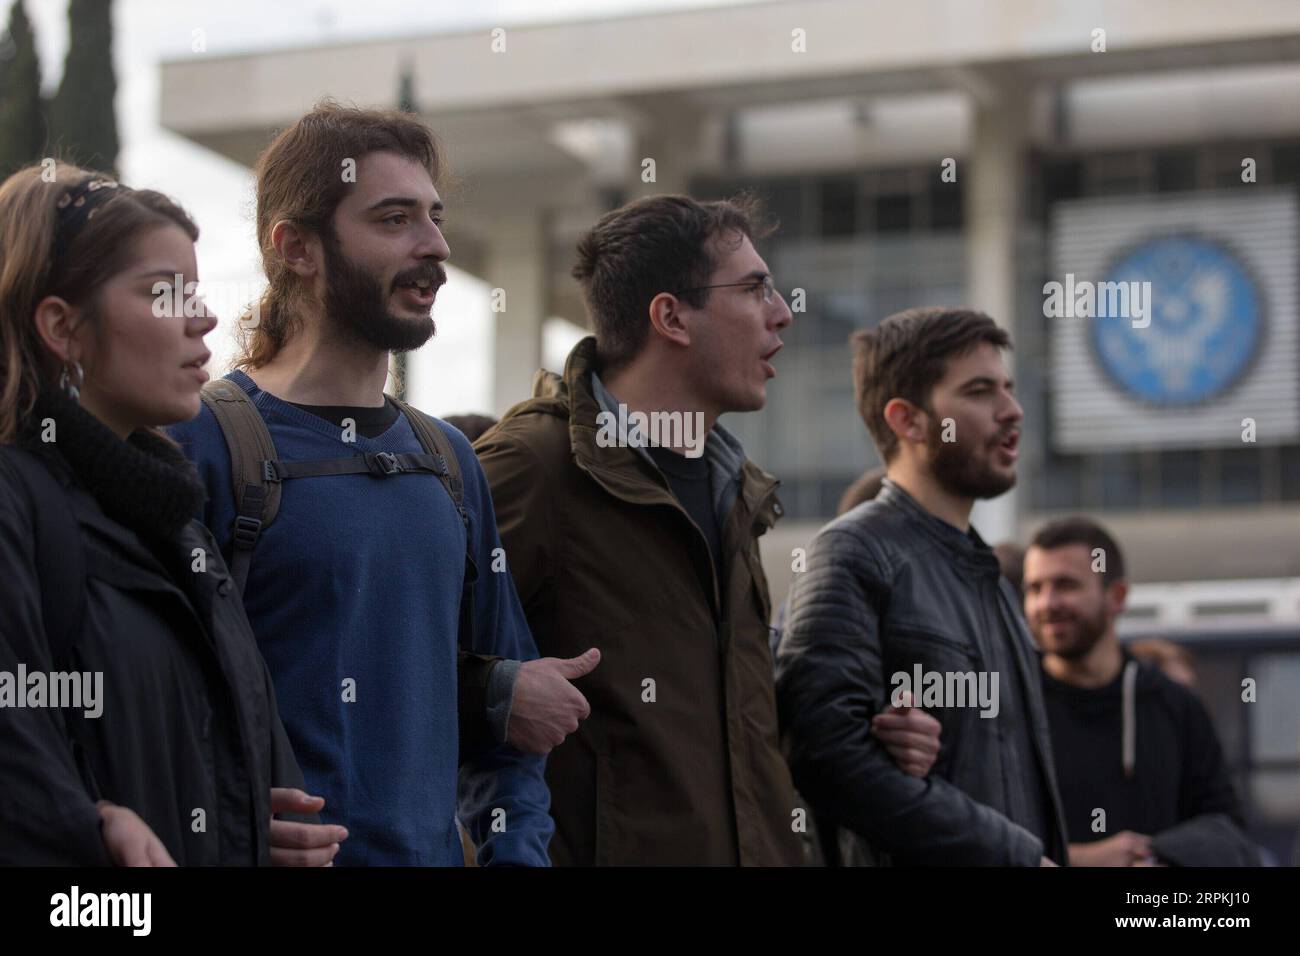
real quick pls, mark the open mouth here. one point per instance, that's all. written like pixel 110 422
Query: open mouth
pixel 196 367
pixel 1010 444
pixel 766 361
pixel 421 292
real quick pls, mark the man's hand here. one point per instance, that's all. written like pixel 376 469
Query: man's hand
pixel 128 839
pixel 910 735
pixel 1044 861
pixel 1123 849
pixel 545 707
pixel 302 844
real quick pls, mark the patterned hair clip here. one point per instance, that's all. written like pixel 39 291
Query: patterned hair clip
pixel 78 206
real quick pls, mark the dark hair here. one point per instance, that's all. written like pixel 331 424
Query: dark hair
pixel 471 424
pixel 906 355
pixel 1084 531
pixel 864 488
pixel 649 246
pixel 37 259
pixel 1011 559
pixel 300 178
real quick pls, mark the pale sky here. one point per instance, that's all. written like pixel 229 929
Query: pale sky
pixel 452 373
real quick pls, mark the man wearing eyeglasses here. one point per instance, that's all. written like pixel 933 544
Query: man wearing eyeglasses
pixel 630 543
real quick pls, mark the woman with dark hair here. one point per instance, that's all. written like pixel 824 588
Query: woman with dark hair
pixel 138 723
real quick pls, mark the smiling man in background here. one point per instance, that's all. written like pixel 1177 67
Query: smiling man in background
pixel 1129 742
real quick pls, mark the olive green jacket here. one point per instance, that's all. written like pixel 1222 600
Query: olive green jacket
pixel 679 762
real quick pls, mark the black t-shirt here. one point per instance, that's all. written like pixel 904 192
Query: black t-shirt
pixel 689 480
pixel 1179 770
pixel 372 421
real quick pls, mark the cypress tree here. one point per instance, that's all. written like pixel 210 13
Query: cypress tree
pixel 81 114
pixel 22 113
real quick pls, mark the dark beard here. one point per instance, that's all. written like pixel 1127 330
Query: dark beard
pixel 1090 631
pixel 355 302
pixel 961 473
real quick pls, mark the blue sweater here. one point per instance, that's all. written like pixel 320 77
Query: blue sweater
pixel 354 595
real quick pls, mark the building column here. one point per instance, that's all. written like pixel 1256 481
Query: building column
pixel 667 130
pixel 995 182
pixel 515 268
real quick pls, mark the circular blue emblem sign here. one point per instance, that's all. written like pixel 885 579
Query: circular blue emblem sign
pixel 1188 335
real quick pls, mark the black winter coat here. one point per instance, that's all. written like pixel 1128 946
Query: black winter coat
pixel 189 736
pixel 888 588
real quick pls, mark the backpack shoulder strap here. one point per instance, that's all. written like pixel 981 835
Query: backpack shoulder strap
pixel 434 441
pixel 257 500
pixel 60 556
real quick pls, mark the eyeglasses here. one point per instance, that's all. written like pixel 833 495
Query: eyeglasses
pixel 769 287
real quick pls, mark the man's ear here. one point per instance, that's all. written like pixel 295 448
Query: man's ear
pixel 907 421
pixel 299 248
pixel 57 323
pixel 1116 596
pixel 666 319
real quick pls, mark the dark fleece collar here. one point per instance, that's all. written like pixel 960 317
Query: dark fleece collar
pixel 145 483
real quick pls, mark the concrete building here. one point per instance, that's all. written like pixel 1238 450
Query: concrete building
pixel 842 115
pixel 922 153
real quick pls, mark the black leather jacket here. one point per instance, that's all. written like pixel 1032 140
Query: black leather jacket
pixel 889 586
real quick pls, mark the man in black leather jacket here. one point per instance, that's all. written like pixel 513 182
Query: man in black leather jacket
pixel 901 594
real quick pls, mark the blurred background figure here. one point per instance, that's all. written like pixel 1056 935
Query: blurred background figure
pixel 1141 772
pixel 1175 662
pixel 864 489
pixel 472 424
pixel 1011 557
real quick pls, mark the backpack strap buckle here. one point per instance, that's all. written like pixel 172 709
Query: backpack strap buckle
pixel 246 531
pixel 384 463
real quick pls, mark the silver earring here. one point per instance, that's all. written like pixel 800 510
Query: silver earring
pixel 66 383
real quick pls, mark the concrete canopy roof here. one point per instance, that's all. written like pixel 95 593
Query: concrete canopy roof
pixel 498 108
